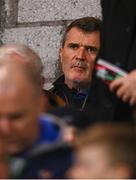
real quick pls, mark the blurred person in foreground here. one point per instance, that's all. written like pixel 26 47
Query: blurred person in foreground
pixel 106 151
pixel 80 48
pixel 27 56
pixel 26 133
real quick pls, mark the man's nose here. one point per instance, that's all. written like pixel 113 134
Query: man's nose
pixel 81 53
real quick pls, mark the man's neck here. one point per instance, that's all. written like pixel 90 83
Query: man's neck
pixel 79 86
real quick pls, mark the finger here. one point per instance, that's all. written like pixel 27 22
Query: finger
pixel 126 97
pixel 114 85
pixel 121 91
pixel 132 100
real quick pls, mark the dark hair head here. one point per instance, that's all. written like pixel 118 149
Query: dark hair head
pixel 85 24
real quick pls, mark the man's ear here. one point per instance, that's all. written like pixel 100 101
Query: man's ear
pixel 42 81
pixel 42 102
pixel 60 54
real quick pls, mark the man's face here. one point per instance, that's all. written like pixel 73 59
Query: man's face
pixel 78 55
pixel 92 163
pixel 19 109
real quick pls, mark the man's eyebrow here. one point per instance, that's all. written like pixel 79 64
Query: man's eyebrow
pixel 73 44
pixel 90 46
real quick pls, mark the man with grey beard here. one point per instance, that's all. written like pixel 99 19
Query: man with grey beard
pixel 80 48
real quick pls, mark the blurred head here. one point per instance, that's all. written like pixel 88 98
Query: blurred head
pixel 80 47
pixel 22 54
pixel 26 56
pixel 106 151
pixel 20 106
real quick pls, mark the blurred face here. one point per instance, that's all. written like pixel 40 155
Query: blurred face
pixel 92 162
pixel 78 56
pixel 19 109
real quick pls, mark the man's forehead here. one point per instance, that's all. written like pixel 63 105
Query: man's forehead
pixel 13 78
pixel 78 30
pixel 77 36
pixel 14 56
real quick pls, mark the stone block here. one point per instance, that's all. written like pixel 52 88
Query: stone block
pixel 54 10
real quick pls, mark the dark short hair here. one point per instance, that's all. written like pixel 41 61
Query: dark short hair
pixel 85 24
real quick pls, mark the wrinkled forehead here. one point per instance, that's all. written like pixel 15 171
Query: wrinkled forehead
pixel 78 36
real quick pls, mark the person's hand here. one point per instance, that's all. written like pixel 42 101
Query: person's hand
pixel 125 87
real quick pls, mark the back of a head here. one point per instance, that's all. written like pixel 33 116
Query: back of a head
pixel 117 140
pixel 24 55
pixel 14 75
pixel 85 24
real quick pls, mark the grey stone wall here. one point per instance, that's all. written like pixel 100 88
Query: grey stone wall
pixel 40 24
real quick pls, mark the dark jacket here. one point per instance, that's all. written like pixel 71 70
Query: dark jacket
pixel 118 46
pixel 71 97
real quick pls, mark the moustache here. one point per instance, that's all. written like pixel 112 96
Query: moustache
pixel 80 64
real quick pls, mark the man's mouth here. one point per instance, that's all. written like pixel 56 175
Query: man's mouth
pixel 11 141
pixel 80 67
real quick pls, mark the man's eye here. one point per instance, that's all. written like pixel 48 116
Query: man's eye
pixel 15 116
pixel 93 50
pixel 73 46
